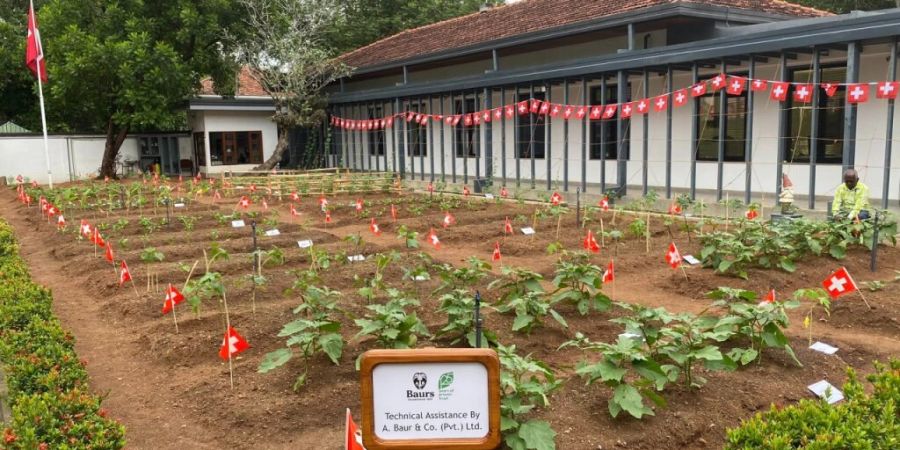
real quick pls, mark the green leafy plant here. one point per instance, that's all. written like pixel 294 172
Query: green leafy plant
pixel 525 384
pixel 531 308
pixel 459 306
pixel 408 236
pixel 762 324
pixel 516 282
pixel 637 228
pixel 187 222
pixel 689 340
pixel 579 283
pixel 390 323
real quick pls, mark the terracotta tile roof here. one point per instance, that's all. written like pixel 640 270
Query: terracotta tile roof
pixel 529 16
pixel 246 85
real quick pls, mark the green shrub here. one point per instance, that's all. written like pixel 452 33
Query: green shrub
pixel 861 421
pixel 48 385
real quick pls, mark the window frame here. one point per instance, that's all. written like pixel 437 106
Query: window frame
pixel 532 125
pixel 463 134
pixel 827 105
pixel 610 147
pixel 740 144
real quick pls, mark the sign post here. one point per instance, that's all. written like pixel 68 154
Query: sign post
pixel 430 399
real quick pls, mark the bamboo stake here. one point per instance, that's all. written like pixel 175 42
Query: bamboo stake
pixel 602 233
pixel 227 343
pixel 174 317
pixel 727 210
pixel 648 232
pixel 864 299
pixel 136 294
pixel 681 266
pixel 558 223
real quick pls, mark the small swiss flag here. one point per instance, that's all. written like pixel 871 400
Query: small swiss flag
pixel 504 192
pixel 359 205
pixel 590 243
pixel 698 89
pixel 294 211
pixel 736 85
pixel 467 120
pixel 680 97
pixel 661 102
pixel 556 199
pixel 373 226
pixel 109 253
pixel 829 88
pixel 522 107
pixel 887 89
pixel 448 219
pixel 596 112
pixel 839 283
pixel 627 109
pixel 759 85
pixel 674 209
pixel 643 106
pixel 496 256
pixel 554 111
pixel 770 296
pixel 232 344
pixel 507 227
pixel 510 111
pixel 717 82
pixel 96 238
pixel 61 222
pixel 751 214
pixel 673 258
pixel 244 202
pixel 610 275
pixel 327 216
pixel 85 229
pixel 581 112
pixel 433 239
pixel 353 436
pixel 124 274
pixel 567 113
pixel 609 111
pixel 803 93
pixel 173 297
pixel 535 106
pixel 857 93
pixel 779 91
pixel 466 191
pixel 544 109
pixel 295 196
pixel 266 205
pixel 604 203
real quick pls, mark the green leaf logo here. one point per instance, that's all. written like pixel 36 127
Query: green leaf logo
pixel 445 381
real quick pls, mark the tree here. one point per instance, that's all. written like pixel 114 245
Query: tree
pixel 287 54
pixel 130 65
pixel 367 21
pixel 17 85
pixel 845 6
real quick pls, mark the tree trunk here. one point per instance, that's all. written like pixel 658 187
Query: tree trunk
pixel 114 140
pixel 279 150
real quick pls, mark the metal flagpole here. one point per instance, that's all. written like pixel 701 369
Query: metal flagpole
pixel 40 57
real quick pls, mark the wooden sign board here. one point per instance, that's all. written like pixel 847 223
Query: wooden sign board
pixel 430 399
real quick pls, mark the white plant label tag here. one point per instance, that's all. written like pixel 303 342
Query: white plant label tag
pixel 527 231
pixel 237 224
pixel 824 389
pixel 179 205
pixel 274 232
pixel 489 196
pixel 356 258
pixel 420 278
pixel 306 243
pixel 824 348
pixel 691 260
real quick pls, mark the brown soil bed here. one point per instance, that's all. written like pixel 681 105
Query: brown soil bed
pixel 172 391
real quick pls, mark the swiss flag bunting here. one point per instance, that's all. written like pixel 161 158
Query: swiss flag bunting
pixel 803 93
pixel 886 89
pixel 642 106
pixel 232 344
pixel 717 82
pixel 680 97
pixel 736 85
pixel 698 89
pixel 779 91
pixel 627 109
pixel 759 85
pixel 610 111
pixel 829 88
pixel 857 93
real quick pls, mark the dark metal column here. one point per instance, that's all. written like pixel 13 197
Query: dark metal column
pixel 412 137
pixel 443 125
pixel 814 129
pixel 477 130
pixel 748 125
pixel 695 78
pixel 453 136
pixel 565 87
pixel 889 129
pixel 427 148
pixel 517 137
pixel 584 141
pixel 467 143
pixel 548 135
pixel 603 137
pixel 400 156
pixel 340 139
pixel 850 110
pixel 621 156
pixel 669 75
pixel 431 148
pixel 720 157
pixel 370 134
pixel 532 122
pixel 645 131
pixel 782 131
pixel 489 135
pixel 384 114
pixel 353 139
pixel 503 122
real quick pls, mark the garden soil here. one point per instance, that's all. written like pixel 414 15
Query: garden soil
pixel 172 391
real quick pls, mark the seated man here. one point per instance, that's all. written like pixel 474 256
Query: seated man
pixel 851 199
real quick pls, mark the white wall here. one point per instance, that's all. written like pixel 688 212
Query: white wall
pixel 212 121
pixel 71 157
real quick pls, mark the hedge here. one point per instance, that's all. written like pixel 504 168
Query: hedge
pixel 52 406
pixel 860 422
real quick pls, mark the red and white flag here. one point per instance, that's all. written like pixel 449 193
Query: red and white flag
pixel 858 93
pixel 244 202
pixel 590 243
pixel 327 216
pixel 109 254
pixel 759 85
pixel 610 274
pixel 359 205
pixel 51 210
pixel 770 297
pixel 887 89
pixel 503 192
pixel 376 230
pixel 609 111
pixel 507 227
pixel 680 97
pixel 96 238
pixel 556 199
pixel 751 214
pixel 803 93
pixel 674 209
pixel 839 283
pixel 295 197
pixel 433 238
pixel 604 203
pixel 466 191
pixel 85 229
pixel 34 51
pixel 627 109
pixel 581 112
pixel 430 187
pixel 173 297
pixel 448 219
pixel 596 112
pixel 717 82
pixel 232 344
pixel 567 112
pixel 323 203
pixel 829 88
pixel 61 222
pixel 124 274
pixel 736 85
pixel 353 435
pixel 496 256
pixel 294 212
pixel 661 102
pixel 698 89
pixel 642 106
pixel 673 258
pixel 535 106
pixel 779 91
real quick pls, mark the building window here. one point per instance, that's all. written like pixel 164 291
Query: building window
pixel 416 134
pixel 830 138
pixel 708 108
pixel 604 133
pixel 199 149
pixel 376 135
pixel 235 147
pixel 465 136
pixel 531 130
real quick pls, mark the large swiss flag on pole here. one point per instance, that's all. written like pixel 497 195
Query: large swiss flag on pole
pixel 34 52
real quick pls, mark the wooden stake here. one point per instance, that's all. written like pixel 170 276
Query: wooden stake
pixel 727 209
pixel 648 232
pixel 558 222
pixel 681 266
pixel 136 294
pixel 864 299
pixel 174 317
pixel 602 233
pixel 228 344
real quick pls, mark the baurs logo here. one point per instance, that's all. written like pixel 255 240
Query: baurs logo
pixel 420 380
